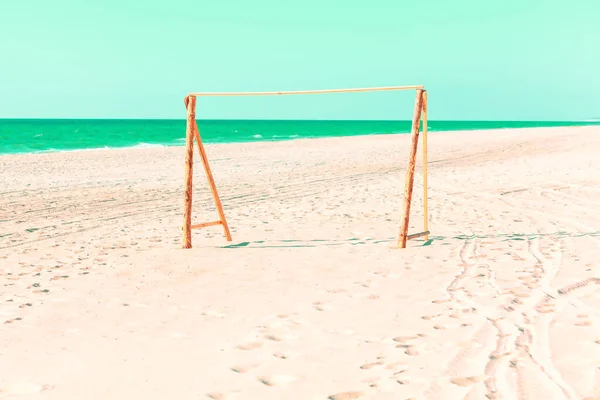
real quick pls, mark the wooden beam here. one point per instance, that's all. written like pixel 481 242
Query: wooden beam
pixel 375 89
pixel 211 183
pixel 425 205
pixel 410 173
pixel 189 167
pixel 206 224
pixel 418 235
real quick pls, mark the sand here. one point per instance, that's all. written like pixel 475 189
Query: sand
pixel 312 300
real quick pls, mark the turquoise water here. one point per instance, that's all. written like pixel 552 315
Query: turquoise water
pixel 38 135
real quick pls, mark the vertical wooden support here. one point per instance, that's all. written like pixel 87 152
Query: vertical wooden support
pixel 189 169
pixel 192 132
pixel 425 205
pixel 410 173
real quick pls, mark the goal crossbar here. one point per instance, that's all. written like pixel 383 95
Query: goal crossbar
pixel 373 89
pixel 193 134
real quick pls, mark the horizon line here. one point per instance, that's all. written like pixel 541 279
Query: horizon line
pixel 592 120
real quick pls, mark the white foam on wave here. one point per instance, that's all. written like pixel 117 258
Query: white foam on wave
pixel 52 150
pixel 146 146
pixel 137 146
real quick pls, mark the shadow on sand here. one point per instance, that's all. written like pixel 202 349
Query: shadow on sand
pixel 442 240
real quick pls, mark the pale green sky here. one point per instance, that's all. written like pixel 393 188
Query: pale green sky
pixel 479 59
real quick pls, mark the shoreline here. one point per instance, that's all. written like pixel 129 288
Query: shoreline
pixel 144 146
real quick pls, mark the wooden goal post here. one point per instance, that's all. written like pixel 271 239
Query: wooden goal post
pixel 193 133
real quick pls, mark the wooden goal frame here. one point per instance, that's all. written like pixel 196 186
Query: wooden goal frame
pixel 193 133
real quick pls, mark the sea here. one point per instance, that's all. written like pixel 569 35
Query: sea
pixel 52 135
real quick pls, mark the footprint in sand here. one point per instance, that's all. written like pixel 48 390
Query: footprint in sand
pixel 274 338
pixel 322 306
pixel 243 368
pixel 527 278
pixel 546 308
pixel 382 273
pixel 249 346
pixel 409 348
pixel 286 320
pixel 375 340
pixel 411 351
pixel 371 365
pixel 397 366
pixel 285 316
pixel 404 339
pixel 467 380
pixel 277 380
pixel 286 355
pixel 430 317
pixel 222 396
pixel 583 321
pixel 346 396
pixel 374 382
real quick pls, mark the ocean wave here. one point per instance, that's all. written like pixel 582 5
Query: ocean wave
pixel 147 146
pixel 285 136
pixel 103 148
pixel 53 150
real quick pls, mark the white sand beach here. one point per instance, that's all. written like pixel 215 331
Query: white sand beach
pixel 312 300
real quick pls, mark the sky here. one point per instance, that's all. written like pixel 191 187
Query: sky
pixel 479 60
